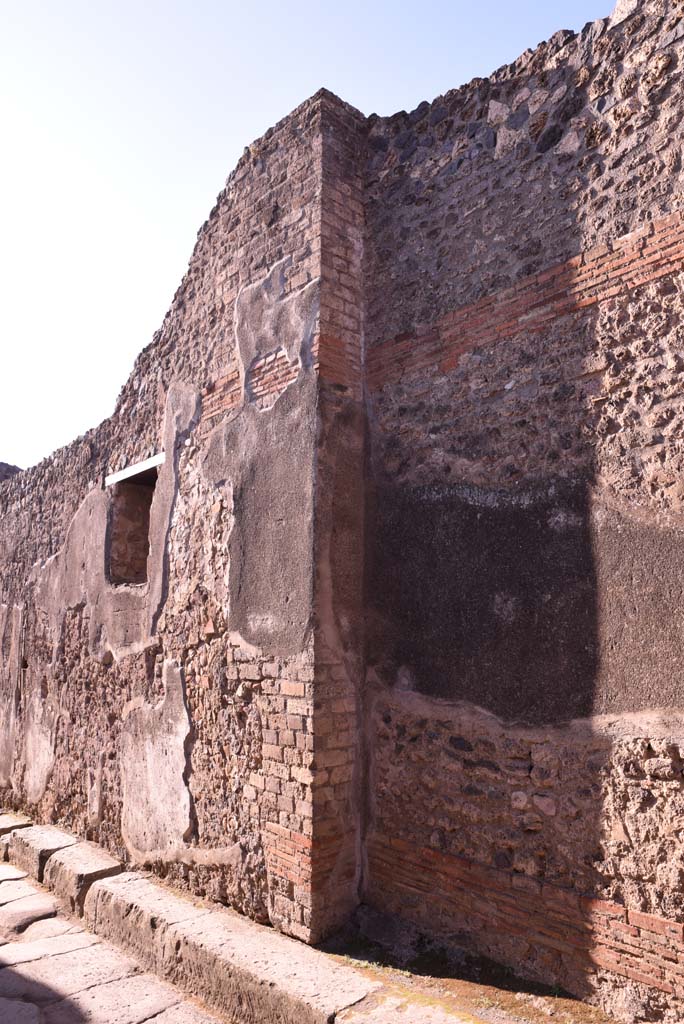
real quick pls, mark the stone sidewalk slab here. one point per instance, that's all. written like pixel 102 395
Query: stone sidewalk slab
pixel 392 1009
pixel 134 912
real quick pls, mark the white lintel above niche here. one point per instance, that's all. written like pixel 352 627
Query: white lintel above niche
pixel 137 467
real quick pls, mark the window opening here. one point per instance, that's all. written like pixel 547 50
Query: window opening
pixel 128 541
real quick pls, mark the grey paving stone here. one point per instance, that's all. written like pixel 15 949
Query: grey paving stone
pixel 13 1011
pixel 15 890
pixel 22 952
pixel 47 927
pixel 10 821
pixel 8 873
pixel 17 916
pixel 129 1001
pixel 44 981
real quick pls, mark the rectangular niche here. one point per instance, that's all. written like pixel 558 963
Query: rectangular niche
pixel 128 528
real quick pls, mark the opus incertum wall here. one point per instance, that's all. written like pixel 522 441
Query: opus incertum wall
pixel 371 588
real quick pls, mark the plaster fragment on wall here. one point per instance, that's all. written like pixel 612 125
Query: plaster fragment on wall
pixel 39 746
pixel 270 321
pixel 10 664
pixel 156 801
pixel 265 455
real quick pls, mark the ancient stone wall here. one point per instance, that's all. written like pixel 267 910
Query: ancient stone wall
pixel 171 719
pixel 524 357
pixel 408 626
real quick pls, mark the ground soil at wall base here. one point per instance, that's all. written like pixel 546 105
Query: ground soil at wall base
pixel 469 985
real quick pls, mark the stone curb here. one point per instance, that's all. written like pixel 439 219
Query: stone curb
pixel 30 847
pixel 71 871
pixel 243 970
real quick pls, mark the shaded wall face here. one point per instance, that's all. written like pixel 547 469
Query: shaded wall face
pixel 524 527
pixel 491 601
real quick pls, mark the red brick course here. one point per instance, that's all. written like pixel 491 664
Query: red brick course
pixel 493 906
pixel 592 277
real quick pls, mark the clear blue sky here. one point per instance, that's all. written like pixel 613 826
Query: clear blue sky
pixel 121 121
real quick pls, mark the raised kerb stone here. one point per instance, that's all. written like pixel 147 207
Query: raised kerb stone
pixel 70 872
pixel 29 848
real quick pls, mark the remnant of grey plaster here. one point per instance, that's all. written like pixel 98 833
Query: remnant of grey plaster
pixel 39 744
pixel 95 793
pixel 267 457
pixel 122 619
pixel 182 408
pixel 267 319
pixel 156 819
pixel 11 619
pixel 156 802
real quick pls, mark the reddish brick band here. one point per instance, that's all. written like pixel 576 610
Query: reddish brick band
pixel 585 932
pixel 599 274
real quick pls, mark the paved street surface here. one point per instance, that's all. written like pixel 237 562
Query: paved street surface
pixel 54 972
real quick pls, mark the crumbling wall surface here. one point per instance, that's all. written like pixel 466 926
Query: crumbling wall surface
pixel 524 524
pixel 169 718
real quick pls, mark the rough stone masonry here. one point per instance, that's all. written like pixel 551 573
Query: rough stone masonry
pixel 371 590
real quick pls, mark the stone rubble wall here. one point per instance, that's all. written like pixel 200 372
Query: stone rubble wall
pixel 201 772
pixel 411 631
pixel 525 539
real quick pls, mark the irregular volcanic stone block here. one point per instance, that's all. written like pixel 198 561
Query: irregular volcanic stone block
pixel 71 871
pixel 23 952
pixel 124 1001
pixel 40 981
pixel 15 890
pixel 17 916
pixel 19 1012
pixel 29 848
